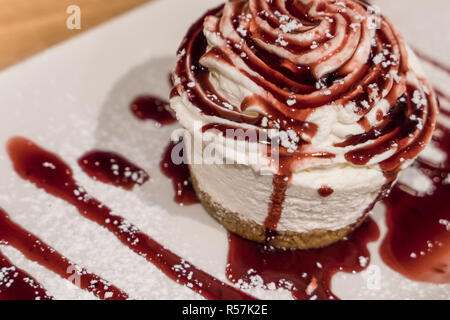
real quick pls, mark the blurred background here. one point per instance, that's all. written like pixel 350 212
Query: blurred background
pixel 29 26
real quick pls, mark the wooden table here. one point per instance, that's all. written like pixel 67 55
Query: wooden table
pixel 30 26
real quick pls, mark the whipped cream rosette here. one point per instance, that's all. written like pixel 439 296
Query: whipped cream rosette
pixel 331 84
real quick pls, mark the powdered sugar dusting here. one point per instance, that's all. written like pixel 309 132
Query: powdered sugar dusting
pixel 91 121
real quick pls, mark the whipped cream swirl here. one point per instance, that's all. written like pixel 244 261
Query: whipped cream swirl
pixel 275 63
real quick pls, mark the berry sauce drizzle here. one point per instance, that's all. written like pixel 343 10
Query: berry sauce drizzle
pixel 280 185
pixel 112 168
pixel 305 273
pixel 149 107
pixel 16 284
pixel 325 191
pixel 417 244
pixel 57 180
pixel 36 250
pixel 180 176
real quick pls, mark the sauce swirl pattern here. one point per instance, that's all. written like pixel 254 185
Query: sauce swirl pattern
pixel 281 60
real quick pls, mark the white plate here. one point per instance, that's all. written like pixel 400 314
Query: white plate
pixel 75 97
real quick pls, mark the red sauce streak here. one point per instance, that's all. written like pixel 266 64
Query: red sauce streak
pixel 325 191
pixel 170 80
pixel 16 284
pixel 28 159
pixel 280 185
pixel 180 176
pixel 408 125
pixel 112 168
pixel 305 273
pixel 36 250
pixel 149 107
pixel 417 244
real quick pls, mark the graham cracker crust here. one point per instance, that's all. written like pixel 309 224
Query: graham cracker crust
pixel 282 239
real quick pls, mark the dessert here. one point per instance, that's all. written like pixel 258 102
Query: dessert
pixel 331 83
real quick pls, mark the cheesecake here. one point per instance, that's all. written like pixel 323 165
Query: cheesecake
pixel 298 116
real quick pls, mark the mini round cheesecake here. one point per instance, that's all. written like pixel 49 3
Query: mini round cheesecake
pixel 299 115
